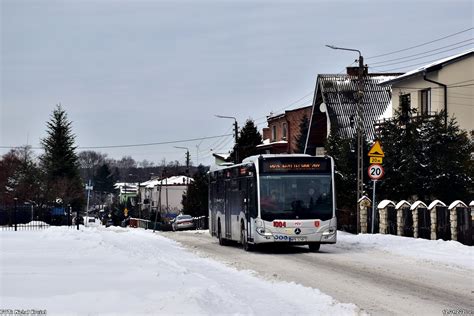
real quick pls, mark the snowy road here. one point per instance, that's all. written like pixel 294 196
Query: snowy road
pixel 423 280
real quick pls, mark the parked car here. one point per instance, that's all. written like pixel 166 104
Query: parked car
pixel 92 221
pixel 182 222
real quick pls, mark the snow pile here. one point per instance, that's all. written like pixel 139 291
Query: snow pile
pixel 450 253
pixel 121 271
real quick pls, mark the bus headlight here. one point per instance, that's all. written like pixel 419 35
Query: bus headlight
pixel 330 231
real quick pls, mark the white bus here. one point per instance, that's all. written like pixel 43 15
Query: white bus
pixel 274 199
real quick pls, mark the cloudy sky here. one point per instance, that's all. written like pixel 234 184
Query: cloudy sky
pixel 134 72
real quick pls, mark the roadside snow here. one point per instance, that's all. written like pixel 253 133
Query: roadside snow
pixel 450 253
pixel 131 271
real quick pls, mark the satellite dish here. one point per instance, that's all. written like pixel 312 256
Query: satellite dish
pixel 322 107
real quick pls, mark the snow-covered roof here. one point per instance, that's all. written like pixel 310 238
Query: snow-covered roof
pixel 435 203
pixel 273 143
pixel 385 203
pixel 364 197
pixel 417 204
pixel 401 204
pixel 422 69
pixel 339 93
pixel 174 180
pixel 223 156
pixel 456 203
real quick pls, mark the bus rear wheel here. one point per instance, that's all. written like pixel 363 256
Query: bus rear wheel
pixel 314 247
pixel 219 235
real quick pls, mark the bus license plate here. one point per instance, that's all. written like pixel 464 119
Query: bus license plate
pixel 297 238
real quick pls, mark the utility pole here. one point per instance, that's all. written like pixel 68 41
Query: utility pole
pixel 187 176
pixel 360 129
pixel 236 131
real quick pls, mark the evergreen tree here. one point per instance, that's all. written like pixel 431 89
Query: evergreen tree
pixel 195 200
pixel 60 162
pixel 247 141
pixel 344 152
pixel 104 180
pixel 426 160
pixel 301 138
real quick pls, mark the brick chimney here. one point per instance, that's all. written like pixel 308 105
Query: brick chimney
pixel 354 71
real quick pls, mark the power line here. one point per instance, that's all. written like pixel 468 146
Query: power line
pixel 412 65
pixel 134 145
pixel 404 61
pixel 423 44
pixel 428 51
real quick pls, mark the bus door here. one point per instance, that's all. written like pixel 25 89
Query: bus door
pixel 251 207
pixel 227 210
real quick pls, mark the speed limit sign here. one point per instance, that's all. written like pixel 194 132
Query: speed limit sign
pixel 376 172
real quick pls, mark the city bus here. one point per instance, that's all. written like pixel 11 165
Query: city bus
pixel 284 198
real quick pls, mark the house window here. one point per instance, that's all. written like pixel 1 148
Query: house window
pixel 425 101
pixel 405 107
pixel 274 133
pixel 284 131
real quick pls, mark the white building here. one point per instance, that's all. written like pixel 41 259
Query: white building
pixel 168 192
pixel 443 85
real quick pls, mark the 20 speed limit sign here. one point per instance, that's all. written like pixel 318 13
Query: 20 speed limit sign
pixel 376 172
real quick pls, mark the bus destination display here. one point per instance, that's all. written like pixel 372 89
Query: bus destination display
pixel 289 166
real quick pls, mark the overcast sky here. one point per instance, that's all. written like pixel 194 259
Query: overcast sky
pixel 133 72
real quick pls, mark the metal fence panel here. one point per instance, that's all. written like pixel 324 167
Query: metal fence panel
pixel 24 217
pixel 464 228
pixel 424 223
pixel 392 220
pixel 407 222
pixel 443 226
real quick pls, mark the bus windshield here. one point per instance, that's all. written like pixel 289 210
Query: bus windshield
pixel 295 196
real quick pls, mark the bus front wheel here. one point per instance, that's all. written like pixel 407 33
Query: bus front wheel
pixel 243 240
pixel 314 247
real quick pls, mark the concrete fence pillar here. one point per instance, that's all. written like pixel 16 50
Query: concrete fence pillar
pixel 365 207
pixel 400 223
pixel 432 209
pixel 383 212
pixel 453 217
pixel 414 212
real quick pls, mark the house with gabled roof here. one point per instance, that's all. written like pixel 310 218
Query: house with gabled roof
pixel 283 130
pixel 443 85
pixel 334 108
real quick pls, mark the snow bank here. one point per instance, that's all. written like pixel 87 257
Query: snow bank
pixel 449 253
pixel 122 271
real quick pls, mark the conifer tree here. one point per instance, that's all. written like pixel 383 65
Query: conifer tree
pixel 247 141
pixel 426 160
pixel 195 200
pixel 60 162
pixel 301 138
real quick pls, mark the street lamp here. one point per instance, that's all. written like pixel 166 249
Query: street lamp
pixel 360 93
pixel 236 131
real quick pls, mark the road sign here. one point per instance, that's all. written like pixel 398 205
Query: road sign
pixel 376 150
pixel 376 172
pixel 377 160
